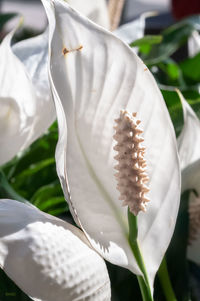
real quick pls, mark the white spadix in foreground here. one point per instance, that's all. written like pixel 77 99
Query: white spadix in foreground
pixel 93 76
pixel 49 259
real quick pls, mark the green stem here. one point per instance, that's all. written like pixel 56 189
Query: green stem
pixel 10 192
pixel 143 289
pixel 143 280
pixel 165 282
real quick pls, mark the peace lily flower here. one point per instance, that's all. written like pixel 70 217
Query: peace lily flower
pixel 27 109
pixel 189 146
pixel 93 76
pixel 48 258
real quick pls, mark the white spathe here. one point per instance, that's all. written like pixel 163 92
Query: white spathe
pixel 48 258
pixel 25 98
pixel 93 76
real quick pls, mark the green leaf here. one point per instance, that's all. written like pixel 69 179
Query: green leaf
pixel 32 175
pixel 170 74
pixel 50 199
pixel 33 169
pixel 191 68
pixel 46 192
pixel 147 40
pixel 173 37
pixel 175 109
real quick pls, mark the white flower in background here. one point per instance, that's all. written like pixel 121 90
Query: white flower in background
pixel 49 259
pixel 194 43
pixel 189 151
pixel 96 11
pixel 131 31
pixel 134 30
pixel 93 76
pixel 189 139
pixel 27 109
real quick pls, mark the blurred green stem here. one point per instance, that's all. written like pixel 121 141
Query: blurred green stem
pixel 9 191
pixel 143 280
pixel 165 282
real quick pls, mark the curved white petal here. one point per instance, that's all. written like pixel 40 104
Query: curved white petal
pixel 189 139
pixel 96 11
pixel 33 53
pixel 94 75
pixel 46 257
pixel 27 109
pixel 191 177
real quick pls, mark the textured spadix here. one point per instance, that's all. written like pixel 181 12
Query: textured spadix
pixel 131 175
pixel 91 82
pixel 48 258
pixel 27 109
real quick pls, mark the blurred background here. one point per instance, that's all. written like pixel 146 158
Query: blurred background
pixel 35 17
pixel 168 12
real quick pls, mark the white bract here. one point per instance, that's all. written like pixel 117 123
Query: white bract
pixel 49 259
pixel 189 139
pixel 189 151
pixel 188 147
pixel 93 76
pixel 27 109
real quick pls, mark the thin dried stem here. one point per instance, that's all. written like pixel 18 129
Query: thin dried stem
pixel 115 8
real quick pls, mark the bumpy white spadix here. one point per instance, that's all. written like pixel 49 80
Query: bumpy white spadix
pixel 27 109
pixel 92 81
pixel 50 260
pixel 131 175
